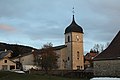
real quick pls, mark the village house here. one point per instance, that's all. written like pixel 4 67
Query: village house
pixel 5 62
pixel 26 61
pixel 107 63
pixel 22 61
pixel 89 59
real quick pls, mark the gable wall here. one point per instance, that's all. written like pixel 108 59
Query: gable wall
pixel 27 60
pixel 9 63
pixel 62 57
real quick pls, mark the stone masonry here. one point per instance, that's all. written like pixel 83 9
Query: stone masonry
pixel 107 68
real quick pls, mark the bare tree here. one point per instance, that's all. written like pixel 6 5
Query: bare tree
pixel 47 58
pixel 107 44
pixel 96 47
pixel 99 47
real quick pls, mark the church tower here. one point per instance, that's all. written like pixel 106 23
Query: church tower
pixel 74 43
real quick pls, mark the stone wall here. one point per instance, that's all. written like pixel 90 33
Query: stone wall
pixel 65 73
pixel 62 58
pixel 107 68
pixel 77 51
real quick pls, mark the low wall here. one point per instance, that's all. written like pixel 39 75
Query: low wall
pixel 65 73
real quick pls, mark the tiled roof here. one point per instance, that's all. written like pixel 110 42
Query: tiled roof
pixel 4 53
pixel 35 52
pixel 89 56
pixel 112 52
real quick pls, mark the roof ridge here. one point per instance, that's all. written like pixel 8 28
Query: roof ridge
pixel 112 51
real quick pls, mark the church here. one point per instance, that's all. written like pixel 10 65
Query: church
pixel 71 54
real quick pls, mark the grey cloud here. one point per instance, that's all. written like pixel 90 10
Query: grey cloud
pixel 46 20
pixel 103 22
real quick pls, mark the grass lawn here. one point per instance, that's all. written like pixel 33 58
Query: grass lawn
pixel 16 76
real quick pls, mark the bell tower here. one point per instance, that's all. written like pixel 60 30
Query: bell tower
pixel 74 43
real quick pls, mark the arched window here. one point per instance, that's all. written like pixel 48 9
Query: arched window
pixel 68 38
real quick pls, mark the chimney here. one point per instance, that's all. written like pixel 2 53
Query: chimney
pixel 5 50
pixel 33 50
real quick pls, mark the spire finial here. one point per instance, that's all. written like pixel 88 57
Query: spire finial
pixel 73 13
pixel 73 10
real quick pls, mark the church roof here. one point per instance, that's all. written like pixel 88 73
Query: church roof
pixel 59 47
pixel 73 27
pixel 112 52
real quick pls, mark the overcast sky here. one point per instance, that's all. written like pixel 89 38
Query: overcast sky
pixel 36 22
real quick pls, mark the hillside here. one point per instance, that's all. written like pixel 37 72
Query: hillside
pixel 17 49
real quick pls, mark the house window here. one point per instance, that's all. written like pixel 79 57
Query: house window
pixel 4 67
pixel 12 67
pixel 68 38
pixel 5 61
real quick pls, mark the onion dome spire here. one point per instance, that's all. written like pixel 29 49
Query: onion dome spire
pixel 73 27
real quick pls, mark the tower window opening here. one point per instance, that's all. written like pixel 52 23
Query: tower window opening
pixel 78 55
pixel 68 58
pixel 68 38
pixel 77 39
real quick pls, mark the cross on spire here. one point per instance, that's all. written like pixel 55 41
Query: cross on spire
pixel 73 13
pixel 73 10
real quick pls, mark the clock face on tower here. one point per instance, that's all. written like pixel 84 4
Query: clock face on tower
pixel 77 37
